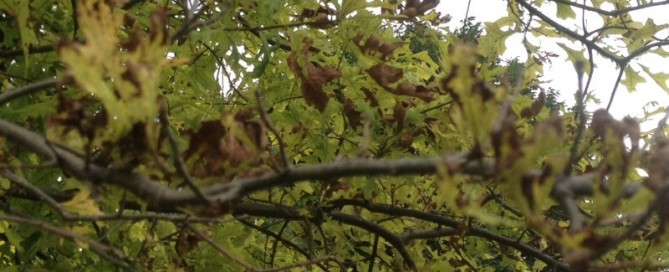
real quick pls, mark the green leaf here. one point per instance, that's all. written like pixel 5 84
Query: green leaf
pixel 137 232
pixel 575 56
pixel 350 6
pixel 494 42
pixel 632 78
pixel 660 52
pixel 638 37
pixel 660 77
pixel 264 56
pixel 565 11
pixel 28 36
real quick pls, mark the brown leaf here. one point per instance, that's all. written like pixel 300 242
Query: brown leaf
pixel 399 112
pixel 601 121
pixel 353 116
pixel 426 5
pixel 538 104
pixel 535 108
pixel 405 141
pixel 422 92
pixel 216 149
pixel 257 132
pixel 526 184
pixel 374 45
pixel 505 135
pixel 314 79
pixel 482 89
pixel 387 49
pixel 411 4
pixel 159 27
pixel 299 128
pixel 631 127
pixel 551 125
pixel 658 171
pixel 414 8
pixel 385 75
pixel 369 96
pixel 321 12
pixel 329 186
pixel 185 243
pixel 132 44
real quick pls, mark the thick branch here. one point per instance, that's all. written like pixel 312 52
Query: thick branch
pixel 154 193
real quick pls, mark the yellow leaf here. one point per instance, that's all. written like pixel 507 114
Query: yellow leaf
pixel 82 203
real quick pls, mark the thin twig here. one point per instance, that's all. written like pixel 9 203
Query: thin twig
pixel 562 29
pixel 180 164
pixel 289 25
pixel 453 223
pixel 268 124
pixel 222 250
pixel 615 87
pixel 280 238
pixel 190 26
pixel 21 182
pixel 147 216
pixel 375 248
pixel 222 66
pixel 582 119
pixel 410 235
pixel 437 106
pixel 610 12
pixel 659 135
pixel 28 89
pixel 106 252
pixel 378 230
pixel 31 50
pixel 300 264
pixel 633 227
pixel 566 199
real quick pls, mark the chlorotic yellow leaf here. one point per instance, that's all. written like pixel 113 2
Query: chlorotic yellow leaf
pixel 575 56
pixel 660 78
pixel 82 203
pixel 632 78
pixel 122 79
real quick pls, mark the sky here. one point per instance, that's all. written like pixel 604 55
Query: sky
pixel 560 74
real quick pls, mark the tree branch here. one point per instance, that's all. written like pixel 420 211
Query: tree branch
pixel 159 195
pixel 620 62
pixel 377 229
pixel 611 13
pixel 237 260
pixel 108 253
pixel 279 238
pixel 31 50
pixel 28 89
pixel 446 221
pixel 178 161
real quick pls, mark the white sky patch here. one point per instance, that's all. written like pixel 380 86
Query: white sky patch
pixel 561 74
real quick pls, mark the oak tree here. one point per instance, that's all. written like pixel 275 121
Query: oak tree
pixel 324 135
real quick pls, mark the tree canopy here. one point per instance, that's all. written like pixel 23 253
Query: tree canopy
pixel 325 135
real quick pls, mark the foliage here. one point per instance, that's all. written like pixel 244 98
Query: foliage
pixel 324 135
